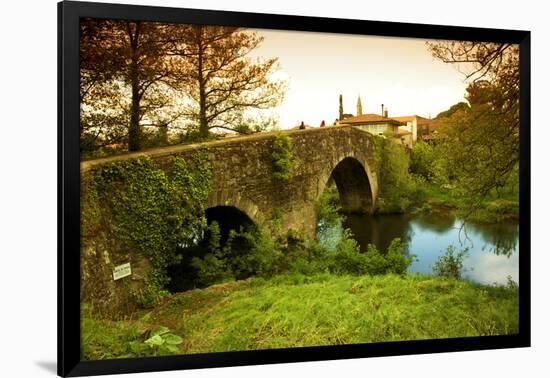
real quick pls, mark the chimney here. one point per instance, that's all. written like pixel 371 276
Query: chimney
pixel 382 114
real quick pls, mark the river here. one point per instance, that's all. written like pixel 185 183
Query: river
pixel 492 247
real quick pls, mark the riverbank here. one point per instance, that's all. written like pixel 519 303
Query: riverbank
pixel 297 310
pixel 492 209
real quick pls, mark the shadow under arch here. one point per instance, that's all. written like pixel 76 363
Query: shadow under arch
pixel 354 187
pixel 228 218
pixel 184 275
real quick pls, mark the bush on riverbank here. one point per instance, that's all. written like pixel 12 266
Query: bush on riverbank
pixel 495 208
pixel 298 310
pixel 398 189
pixel 451 263
pixel 445 189
pixel 251 252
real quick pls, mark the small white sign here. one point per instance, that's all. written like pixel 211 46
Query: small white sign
pixel 122 271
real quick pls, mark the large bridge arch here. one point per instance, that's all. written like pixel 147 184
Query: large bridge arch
pixel 354 181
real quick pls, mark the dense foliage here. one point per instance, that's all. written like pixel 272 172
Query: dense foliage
pixel 465 169
pixel 145 210
pixel 253 252
pixel 451 263
pixel 398 190
pixel 282 156
pixel 480 141
pixel 328 210
pixel 143 83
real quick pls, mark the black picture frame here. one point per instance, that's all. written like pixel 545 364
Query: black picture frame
pixel 69 14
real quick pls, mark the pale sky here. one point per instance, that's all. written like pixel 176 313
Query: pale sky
pixel 397 72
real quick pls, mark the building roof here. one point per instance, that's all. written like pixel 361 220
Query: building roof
pixel 369 118
pixel 419 120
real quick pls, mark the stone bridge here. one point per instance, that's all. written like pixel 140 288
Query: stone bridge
pixel 242 170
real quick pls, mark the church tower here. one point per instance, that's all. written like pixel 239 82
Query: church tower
pixel 359 107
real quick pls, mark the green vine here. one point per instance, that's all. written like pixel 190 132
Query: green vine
pixel 143 209
pixel 282 157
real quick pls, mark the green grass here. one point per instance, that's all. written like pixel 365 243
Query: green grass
pixel 104 339
pixel 296 310
pixel 495 208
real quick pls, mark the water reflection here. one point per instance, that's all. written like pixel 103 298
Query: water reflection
pixel 493 248
pixel 379 230
pixel 500 238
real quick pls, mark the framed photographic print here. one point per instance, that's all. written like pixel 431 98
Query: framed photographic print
pixel 239 188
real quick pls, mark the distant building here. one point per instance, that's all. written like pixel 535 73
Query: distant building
pixel 405 130
pixel 374 123
pixel 380 125
pixel 418 126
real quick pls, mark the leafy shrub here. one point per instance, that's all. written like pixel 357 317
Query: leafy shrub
pixel 397 259
pixel 328 210
pixel 451 263
pixel 161 342
pixel 349 260
pixel 304 256
pixel 425 208
pixel 250 252
pixel 247 252
pixel 213 267
pixel 422 159
pixel 103 339
pixel 398 189
pixel 282 156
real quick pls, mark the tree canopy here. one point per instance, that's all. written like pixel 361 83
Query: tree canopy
pixel 481 141
pixel 221 80
pixel 140 79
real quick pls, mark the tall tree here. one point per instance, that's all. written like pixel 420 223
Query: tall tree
pixel 495 63
pixel 221 79
pixel 482 140
pixel 130 56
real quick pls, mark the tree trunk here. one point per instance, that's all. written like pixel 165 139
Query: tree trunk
pixel 203 123
pixel 134 131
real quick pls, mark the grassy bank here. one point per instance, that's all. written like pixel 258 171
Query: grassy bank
pixel 495 208
pixel 296 310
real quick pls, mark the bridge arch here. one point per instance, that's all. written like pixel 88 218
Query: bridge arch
pixel 354 181
pixel 228 218
pixel 236 200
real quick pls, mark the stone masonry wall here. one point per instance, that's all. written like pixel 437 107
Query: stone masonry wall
pixel 242 176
